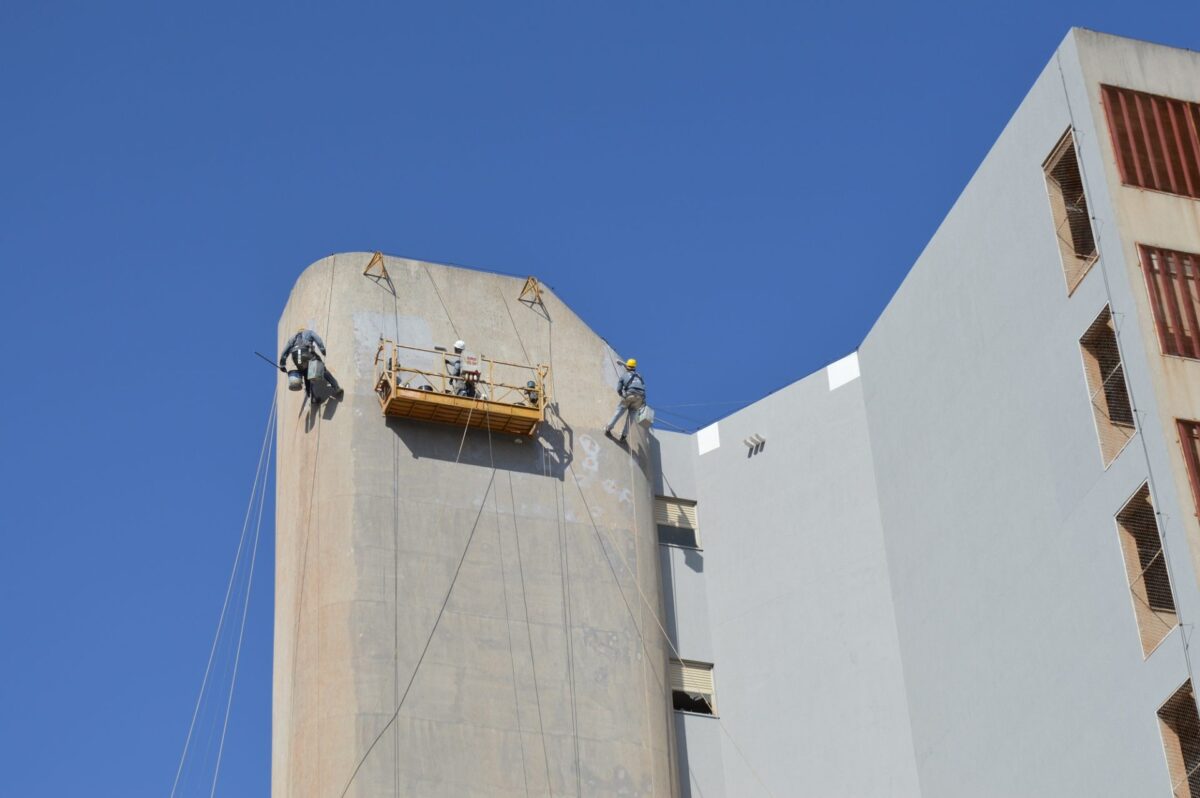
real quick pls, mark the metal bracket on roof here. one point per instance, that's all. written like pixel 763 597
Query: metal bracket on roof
pixel 377 260
pixel 531 293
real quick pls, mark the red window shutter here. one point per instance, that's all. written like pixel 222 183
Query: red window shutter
pixel 1171 281
pixel 1156 140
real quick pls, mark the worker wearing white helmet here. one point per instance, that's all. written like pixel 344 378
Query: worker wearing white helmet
pixel 454 368
pixel 632 390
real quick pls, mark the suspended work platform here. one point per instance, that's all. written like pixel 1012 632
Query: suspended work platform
pixel 422 384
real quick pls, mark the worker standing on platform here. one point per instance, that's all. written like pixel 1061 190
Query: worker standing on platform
pixel 459 385
pixel 303 347
pixel 632 390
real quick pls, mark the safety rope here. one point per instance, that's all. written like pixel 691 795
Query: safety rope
pixel 308 531
pixel 1150 481
pixel 650 607
pixel 259 474
pixel 237 657
pixel 512 659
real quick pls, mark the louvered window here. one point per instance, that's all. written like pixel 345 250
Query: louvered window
pixel 1106 386
pixel 1156 139
pixel 676 520
pixel 692 686
pixel 1174 299
pixel 1146 567
pixel 1069 210
pixel 1189 440
pixel 1180 727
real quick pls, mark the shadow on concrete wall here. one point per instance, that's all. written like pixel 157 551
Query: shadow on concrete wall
pixel 326 411
pixel 547 453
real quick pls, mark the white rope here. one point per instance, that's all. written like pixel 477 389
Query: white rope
pixel 262 500
pixel 258 474
pixel 653 613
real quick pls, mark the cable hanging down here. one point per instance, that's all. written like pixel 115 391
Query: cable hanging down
pixel 257 496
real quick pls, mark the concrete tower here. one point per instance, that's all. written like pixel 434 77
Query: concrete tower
pixel 462 612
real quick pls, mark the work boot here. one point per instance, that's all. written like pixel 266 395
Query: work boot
pixel 608 433
pixel 622 438
pixel 340 393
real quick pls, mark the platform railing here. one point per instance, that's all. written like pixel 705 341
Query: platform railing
pixel 418 368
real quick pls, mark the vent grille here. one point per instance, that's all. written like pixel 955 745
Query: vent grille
pixel 1069 208
pixel 694 678
pixel 675 512
pixel 1156 139
pixel 1146 568
pixel 1180 727
pixel 1174 301
pixel 1106 385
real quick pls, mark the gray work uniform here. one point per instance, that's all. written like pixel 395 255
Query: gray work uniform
pixel 454 368
pixel 303 347
pixel 632 390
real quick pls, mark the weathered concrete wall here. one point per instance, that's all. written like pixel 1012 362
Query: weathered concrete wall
pixel 545 673
pixel 1164 387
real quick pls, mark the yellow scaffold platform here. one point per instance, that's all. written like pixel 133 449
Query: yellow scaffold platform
pixel 415 383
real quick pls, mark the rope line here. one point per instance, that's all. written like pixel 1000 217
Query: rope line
pixel 428 640
pixel 1150 481
pixel 258 473
pixel 653 614
pixel 262 501
pixel 512 658
pixel 432 282
pixel 529 632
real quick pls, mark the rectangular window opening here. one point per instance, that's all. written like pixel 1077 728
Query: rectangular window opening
pixel 1189 441
pixel 677 522
pixel 692 686
pixel 1109 394
pixel 1069 209
pixel 1156 140
pixel 1174 298
pixel 1179 725
pixel 1146 568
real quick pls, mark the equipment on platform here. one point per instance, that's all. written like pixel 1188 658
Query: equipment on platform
pixel 417 383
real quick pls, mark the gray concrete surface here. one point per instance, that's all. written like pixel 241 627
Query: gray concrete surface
pixel 545 675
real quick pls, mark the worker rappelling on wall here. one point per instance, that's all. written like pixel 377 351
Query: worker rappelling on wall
pixel 310 371
pixel 631 389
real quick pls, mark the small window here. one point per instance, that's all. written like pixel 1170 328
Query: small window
pixel 676 520
pixel 1180 727
pixel 1174 299
pixel 1106 385
pixel 1156 140
pixel 1069 209
pixel 692 686
pixel 1146 567
pixel 1189 441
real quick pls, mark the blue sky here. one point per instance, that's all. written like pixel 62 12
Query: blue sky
pixel 730 192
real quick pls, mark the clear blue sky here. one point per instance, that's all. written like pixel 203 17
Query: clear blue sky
pixel 729 192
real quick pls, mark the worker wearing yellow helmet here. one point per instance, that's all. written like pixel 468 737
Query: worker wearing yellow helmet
pixel 632 390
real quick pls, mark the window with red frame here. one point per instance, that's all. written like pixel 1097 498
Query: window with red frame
pixel 1157 140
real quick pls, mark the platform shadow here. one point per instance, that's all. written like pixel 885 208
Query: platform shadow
pixel 547 452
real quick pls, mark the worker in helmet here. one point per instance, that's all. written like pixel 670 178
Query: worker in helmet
pixel 459 384
pixel 303 347
pixel 632 390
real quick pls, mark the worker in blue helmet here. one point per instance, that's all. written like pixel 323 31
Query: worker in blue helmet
pixel 632 390
pixel 303 348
